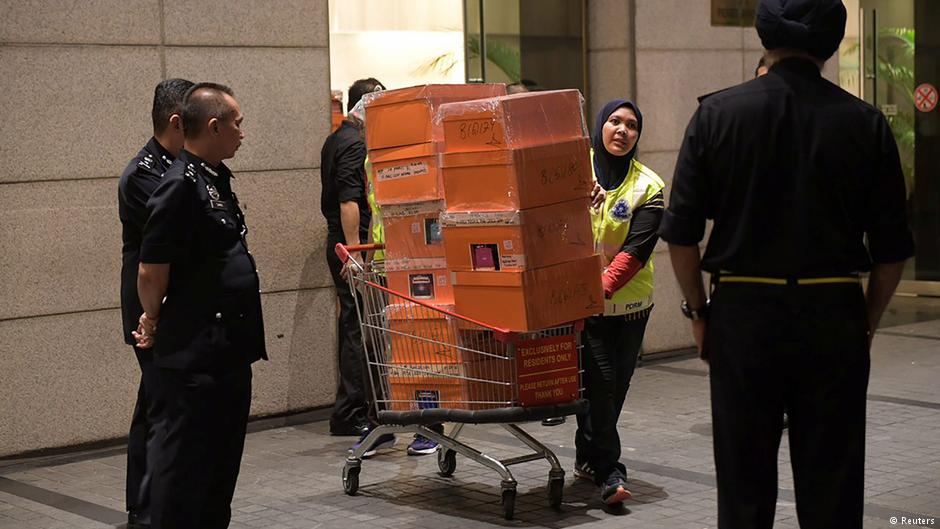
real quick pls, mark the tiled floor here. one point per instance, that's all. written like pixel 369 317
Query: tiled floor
pixel 291 475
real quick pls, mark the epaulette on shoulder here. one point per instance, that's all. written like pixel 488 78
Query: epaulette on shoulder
pixel 146 162
pixel 706 96
pixel 190 173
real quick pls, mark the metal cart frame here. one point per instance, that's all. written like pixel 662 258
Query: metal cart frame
pixel 499 404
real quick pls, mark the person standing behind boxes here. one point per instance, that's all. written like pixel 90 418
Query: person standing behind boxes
pixel 344 204
pixel 625 227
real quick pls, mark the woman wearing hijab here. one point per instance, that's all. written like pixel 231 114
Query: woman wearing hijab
pixel 625 223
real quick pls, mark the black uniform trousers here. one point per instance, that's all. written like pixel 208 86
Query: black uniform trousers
pixel 144 439
pixel 611 346
pixel 350 407
pixel 800 348
pixel 206 415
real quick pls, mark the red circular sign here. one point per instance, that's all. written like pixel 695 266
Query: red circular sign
pixel 925 97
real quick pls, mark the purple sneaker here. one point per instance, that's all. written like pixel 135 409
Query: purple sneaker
pixel 384 441
pixel 422 446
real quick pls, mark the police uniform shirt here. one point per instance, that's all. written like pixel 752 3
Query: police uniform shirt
pixel 137 183
pixel 343 176
pixel 211 317
pixel 795 172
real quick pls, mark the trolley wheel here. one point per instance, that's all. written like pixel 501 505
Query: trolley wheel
pixel 446 462
pixel 556 491
pixel 351 477
pixel 509 502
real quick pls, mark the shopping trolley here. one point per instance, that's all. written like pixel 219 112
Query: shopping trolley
pixel 428 365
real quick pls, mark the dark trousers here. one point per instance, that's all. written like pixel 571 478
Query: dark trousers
pixel 144 438
pixel 206 415
pixel 803 349
pixel 350 407
pixel 611 346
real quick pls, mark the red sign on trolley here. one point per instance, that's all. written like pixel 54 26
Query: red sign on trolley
pixel 925 97
pixel 548 370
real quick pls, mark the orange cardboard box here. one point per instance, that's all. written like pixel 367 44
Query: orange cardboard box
pixel 519 120
pixel 518 240
pixel 413 230
pixel 424 279
pixel 407 174
pixel 406 116
pixel 516 179
pixel 423 386
pixel 422 336
pixel 532 299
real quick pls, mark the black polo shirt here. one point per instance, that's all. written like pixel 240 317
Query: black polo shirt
pixel 796 173
pixel 343 176
pixel 211 317
pixel 137 183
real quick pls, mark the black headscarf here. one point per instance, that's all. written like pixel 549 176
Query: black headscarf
pixel 610 170
pixel 813 26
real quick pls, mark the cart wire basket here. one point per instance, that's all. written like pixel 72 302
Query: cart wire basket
pixel 428 365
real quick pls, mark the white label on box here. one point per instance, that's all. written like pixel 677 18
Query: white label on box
pixel 512 261
pixel 410 210
pixel 415 228
pixel 507 244
pixel 402 171
pixel 442 280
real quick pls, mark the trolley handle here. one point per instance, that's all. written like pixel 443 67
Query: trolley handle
pixel 343 251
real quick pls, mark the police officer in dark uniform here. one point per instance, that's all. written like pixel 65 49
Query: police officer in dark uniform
pixel 202 315
pixel 135 187
pixel 796 174
pixel 345 206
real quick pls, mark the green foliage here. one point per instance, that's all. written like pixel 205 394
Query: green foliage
pixel 501 54
pixel 504 56
pixel 896 69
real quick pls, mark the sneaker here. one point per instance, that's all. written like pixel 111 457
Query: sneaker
pixel 553 421
pixel 584 471
pixel 614 491
pixel 422 446
pixel 384 441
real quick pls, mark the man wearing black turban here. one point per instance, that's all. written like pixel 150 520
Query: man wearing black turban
pixel 797 175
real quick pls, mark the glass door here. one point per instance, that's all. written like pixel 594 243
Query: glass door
pixel 537 43
pixel 891 59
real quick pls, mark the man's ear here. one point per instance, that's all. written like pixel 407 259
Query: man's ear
pixel 176 122
pixel 214 125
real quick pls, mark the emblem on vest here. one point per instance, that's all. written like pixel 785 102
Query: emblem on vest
pixel 621 211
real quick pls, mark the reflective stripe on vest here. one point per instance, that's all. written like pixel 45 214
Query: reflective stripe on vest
pixel 378 231
pixel 611 224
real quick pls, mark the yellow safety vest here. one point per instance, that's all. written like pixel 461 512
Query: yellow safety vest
pixel 378 231
pixel 611 224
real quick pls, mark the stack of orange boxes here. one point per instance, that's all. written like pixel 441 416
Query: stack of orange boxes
pixel 517 231
pixel 404 144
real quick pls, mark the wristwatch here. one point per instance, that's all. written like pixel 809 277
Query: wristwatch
pixel 694 314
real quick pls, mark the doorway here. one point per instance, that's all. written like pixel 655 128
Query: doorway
pixel 890 57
